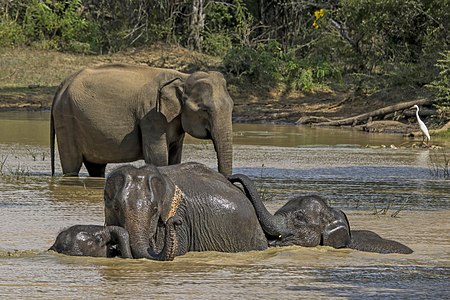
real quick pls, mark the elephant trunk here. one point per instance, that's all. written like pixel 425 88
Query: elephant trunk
pixel 222 137
pixel 140 246
pixel 144 246
pixel 140 230
pixel 272 225
pixel 120 236
pixel 170 247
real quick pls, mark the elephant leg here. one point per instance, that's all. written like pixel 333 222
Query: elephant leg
pixel 119 236
pixel 71 159
pixel 175 151
pixel 95 170
pixel 154 141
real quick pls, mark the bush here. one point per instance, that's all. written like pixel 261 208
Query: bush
pixel 11 33
pixel 217 44
pixel 268 65
pixel 58 25
pixel 259 66
pixel 442 86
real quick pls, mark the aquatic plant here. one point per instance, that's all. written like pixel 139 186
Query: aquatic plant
pixel 384 210
pixel 33 154
pixel 440 169
pixel 20 172
pixel 2 163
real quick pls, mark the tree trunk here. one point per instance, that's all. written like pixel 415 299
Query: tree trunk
pixel 382 111
pixel 197 24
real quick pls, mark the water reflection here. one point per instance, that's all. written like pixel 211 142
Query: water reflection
pixel 284 161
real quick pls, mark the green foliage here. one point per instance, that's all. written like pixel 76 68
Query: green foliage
pixel 243 22
pixel 11 33
pixel 218 17
pixel 217 39
pixel 267 64
pixel 298 44
pixel 217 44
pixel 245 61
pixel 385 31
pixel 442 85
pixel 226 23
pixel 57 25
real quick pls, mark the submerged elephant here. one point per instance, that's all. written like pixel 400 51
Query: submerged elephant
pixel 121 113
pixel 93 240
pixel 214 214
pixel 106 241
pixel 309 221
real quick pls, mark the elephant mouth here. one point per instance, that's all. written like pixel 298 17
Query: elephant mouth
pixel 280 241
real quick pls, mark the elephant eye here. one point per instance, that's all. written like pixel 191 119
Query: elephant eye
pixel 116 207
pixel 300 218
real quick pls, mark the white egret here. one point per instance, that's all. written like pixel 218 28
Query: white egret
pixel 422 125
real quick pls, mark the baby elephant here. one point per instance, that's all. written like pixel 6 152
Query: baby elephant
pixel 309 221
pixel 93 240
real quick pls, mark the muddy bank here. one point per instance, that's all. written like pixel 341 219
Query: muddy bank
pixel 30 78
pixel 258 107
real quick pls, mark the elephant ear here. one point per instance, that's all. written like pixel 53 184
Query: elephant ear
pixel 172 201
pixel 170 98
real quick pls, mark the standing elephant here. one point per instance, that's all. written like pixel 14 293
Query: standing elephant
pixel 93 240
pixel 121 113
pixel 309 221
pixel 213 214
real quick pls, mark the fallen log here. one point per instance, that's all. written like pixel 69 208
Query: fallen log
pixel 446 127
pixel 382 111
pixel 311 119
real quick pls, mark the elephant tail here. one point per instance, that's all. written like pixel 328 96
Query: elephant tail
pixel 52 143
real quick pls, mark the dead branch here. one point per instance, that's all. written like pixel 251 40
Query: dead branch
pixel 378 112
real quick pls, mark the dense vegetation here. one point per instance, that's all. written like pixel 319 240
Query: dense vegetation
pixel 300 45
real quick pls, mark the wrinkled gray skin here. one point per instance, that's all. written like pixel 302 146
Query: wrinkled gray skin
pixel 214 215
pixel 93 240
pixel 121 113
pixel 309 221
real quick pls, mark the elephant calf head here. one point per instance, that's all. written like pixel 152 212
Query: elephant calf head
pixel 304 221
pixel 93 240
pixel 309 221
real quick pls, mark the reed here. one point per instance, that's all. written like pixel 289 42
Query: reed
pixel 440 166
pixel 2 163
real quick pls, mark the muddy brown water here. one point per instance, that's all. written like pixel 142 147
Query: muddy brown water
pixel 284 161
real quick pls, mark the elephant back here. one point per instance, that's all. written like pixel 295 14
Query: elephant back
pixel 215 209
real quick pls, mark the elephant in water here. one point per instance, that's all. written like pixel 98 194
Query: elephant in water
pixel 309 221
pixel 93 240
pixel 104 241
pixel 214 214
pixel 119 113
pixel 168 211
